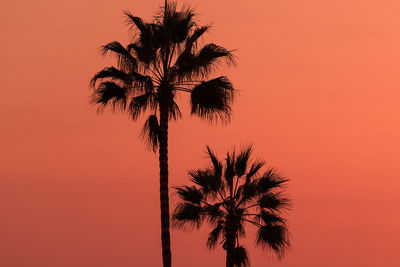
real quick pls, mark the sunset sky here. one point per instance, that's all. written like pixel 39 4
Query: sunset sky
pixel 319 99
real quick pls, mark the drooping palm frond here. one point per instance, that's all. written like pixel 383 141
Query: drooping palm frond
pixel 174 111
pixel 146 47
pixel 190 194
pixel 268 217
pixel 142 83
pixel 274 237
pixel 273 201
pixel 215 235
pixel 139 104
pixel 214 213
pixel 213 99
pixel 187 215
pixel 208 59
pixel 206 179
pixel 240 258
pixel 151 132
pixel 125 60
pixel 109 94
pixel 113 74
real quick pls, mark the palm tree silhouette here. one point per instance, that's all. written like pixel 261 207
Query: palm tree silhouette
pixel 231 196
pixel 163 60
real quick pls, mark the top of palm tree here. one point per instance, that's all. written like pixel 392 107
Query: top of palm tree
pixel 163 60
pixel 233 194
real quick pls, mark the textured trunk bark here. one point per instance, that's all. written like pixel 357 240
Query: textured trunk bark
pixel 164 197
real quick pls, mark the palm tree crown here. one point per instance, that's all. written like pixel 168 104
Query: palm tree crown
pixel 164 60
pixel 231 196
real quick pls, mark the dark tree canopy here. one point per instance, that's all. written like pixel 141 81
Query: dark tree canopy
pixel 230 195
pixel 164 59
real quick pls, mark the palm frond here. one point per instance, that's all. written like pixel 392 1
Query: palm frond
pixel 178 24
pixel 273 201
pixel 174 111
pixel 209 58
pixel 206 179
pixel 213 99
pixel 190 194
pixel 270 180
pixel 191 40
pixel 230 168
pixel 248 192
pixel 213 213
pixel 135 21
pixel 145 53
pixel 241 161
pixel 255 167
pixel 140 103
pixel 113 74
pixel 215 235
pixel 268 217
pixel 187 215
pixel 239 257
pixel 274 237
pixel 125 60
pixel 150 132
pixel 109 94
pixel 217 165
pixel 142 83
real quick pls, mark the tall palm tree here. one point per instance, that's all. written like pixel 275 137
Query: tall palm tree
pixel 163 60
pixel 230 197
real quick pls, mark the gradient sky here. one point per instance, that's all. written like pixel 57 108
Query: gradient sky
pixel 319 95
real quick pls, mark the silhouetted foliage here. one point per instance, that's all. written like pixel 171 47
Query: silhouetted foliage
pixel 163 60
pixel 228 197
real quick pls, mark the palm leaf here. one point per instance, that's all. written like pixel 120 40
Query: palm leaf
pixel 208 59
pixel 109 94
pixel 274 237
pixel 125 60
pixel 268 217
pixel 213 99
pixel 241 161
pixel 273 201
pixel 239 257
pixel 270 180
pixel 187 214
pixel 215 235
pixel 151 132
pixel 255 167
pixel 140 103
pixel 197 33
pixel 230 168
pixel 190 194
pixel 113 74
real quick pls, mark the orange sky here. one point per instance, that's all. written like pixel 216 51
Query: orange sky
pixel 319 100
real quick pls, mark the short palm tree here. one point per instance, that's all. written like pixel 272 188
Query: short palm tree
pixel 163 60
pixel 230 197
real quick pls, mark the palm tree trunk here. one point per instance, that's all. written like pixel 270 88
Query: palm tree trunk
pixel 230 246
pixel 164 197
